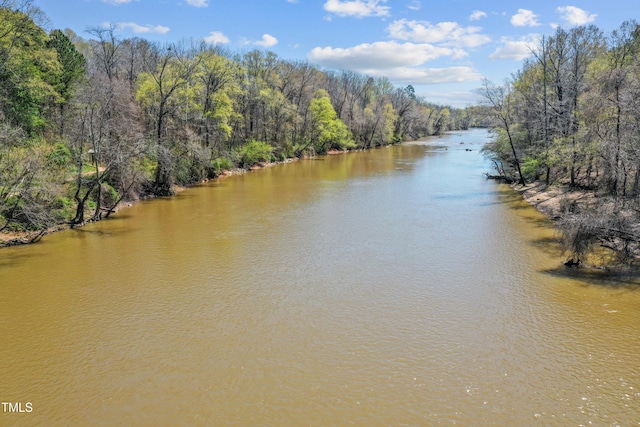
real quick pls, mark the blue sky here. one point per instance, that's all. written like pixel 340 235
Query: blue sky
pixel 443 48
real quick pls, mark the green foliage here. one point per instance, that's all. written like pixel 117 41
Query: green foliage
pixel 191 169
pixel 72 62
pixel 221 163
pixel 109 194
pixel 215 87
pixel 28 73
pixel 498 148
pixel 532 168
pixel 255 152
pixel 60 156
pixel 329 131
pixel 147 165
pixel 63 208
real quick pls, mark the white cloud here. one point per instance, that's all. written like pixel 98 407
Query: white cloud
pixel 267 41
pixel 524 18
pixel 459 99
pixel 216 37
pixel 477 15
pixel 415 5
pixel 426 76
pixel 198 3
pixel 515 49
pixel 357 8
pixel 576 16
pixel 448 33
pixel 378 55
pixel 144 29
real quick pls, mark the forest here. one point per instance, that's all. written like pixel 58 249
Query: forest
pixel 89 122
pixel 570 118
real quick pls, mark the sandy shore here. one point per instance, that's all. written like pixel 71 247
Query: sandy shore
pixel 555 201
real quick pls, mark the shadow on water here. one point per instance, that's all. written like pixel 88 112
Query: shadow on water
pixel 549 245
pixel 496 195
pixel 15 258
pixel 82 232
pixel 593 276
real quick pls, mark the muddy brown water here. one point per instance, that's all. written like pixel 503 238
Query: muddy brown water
pixel 390 287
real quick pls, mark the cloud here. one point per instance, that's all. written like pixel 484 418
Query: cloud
pixel 198 3
pixel 415 5
pixel 524 18
pixel 216 37
pixel 477 15
pixel 458 99
pixel 426 76
pixel 357 8
pixel 378 55
pixel 447 33
pixel 515 49
pixel 144 29
pixel 576 16
pixel 267 41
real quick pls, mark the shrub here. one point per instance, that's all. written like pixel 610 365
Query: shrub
pixel 220 164
pixel 255 152
pixel 531 168
pixel 63 208
pixel 60 156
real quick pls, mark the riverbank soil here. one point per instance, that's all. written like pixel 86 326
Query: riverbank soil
pixel 557 202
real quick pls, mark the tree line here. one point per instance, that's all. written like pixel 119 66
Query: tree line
pixel 88 122
pixel 571 116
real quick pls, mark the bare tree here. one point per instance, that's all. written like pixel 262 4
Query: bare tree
pixel 500 101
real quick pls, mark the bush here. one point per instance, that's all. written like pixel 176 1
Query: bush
pixel 255 152
pixel 220 164
pixel 531 168
pixel 60 156
pixel 147 166
pixel 63 209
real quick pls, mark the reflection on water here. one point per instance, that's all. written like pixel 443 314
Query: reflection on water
pixel 389 287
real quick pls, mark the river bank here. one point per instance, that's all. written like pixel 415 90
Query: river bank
pixel 13 238
pixel 554 201
pixel 16 238
pixel 608 225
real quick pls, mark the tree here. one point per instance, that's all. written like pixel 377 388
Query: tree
pixel 28 71
pixel 216 88
pixel 329 132
pixel 616 75
pixel 158 92
pixel 105 49
pixel 28 184
pixel 108 141
pixel 73 66
pixel 404 102
pixel 500 101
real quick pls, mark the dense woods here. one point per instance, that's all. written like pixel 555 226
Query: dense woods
pixel 87 122
pixel 571 117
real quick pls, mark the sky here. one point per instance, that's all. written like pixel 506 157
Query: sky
pixel 443 48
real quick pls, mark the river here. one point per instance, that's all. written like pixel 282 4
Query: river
pixel 390 287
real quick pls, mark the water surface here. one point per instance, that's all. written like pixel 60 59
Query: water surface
pixel 390 287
